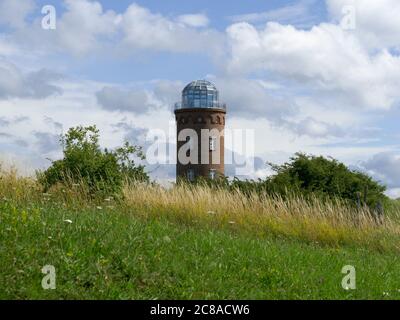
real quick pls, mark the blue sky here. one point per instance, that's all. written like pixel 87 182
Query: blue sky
pixel 293 71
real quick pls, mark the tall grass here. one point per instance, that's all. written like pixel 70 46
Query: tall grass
pixel 332 223
pixel 28 191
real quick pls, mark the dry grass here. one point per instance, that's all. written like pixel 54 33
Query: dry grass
pixel 27 191
pixel 21 189
pixel 328 223
pixel 332 223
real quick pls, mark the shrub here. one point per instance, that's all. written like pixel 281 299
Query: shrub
pixel 85 162
pixel 318 176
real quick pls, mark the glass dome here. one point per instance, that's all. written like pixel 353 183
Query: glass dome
pixel 200 94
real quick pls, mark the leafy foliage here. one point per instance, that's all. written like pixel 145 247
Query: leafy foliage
pixel 320 176
pixel 85 162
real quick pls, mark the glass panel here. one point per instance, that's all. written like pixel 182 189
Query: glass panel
pixel 200 94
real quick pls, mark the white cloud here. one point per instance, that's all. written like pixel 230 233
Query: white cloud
pixel 114 98
pixel 324 59
pixel 13 13
pixel 303 116
pixel 384 167
pixel 7 48
pixel 16 84
pixel 315 128
pixel 297 13
pixel 248 98
pixel 146 30
pixel 84 25
pixel 377 22
pixel 47 142
pixel 393 193
pixel 194 20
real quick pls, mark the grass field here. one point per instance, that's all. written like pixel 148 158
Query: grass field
pixel 189 243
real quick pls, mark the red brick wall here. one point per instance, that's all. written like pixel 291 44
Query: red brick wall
pixel 197 119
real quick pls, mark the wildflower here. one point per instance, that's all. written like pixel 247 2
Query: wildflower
pixel 211 212
pixel 68 221
pixel 232 222
pixel 107 199
pixel 385 293
pixel 99 208
pixel 167 239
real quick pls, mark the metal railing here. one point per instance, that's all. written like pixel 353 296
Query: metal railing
pixel 214 105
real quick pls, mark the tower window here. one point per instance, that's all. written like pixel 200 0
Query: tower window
pixel 213 144
pixel 212 174
pixel 190 174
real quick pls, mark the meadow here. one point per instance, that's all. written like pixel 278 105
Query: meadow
pixel 190 242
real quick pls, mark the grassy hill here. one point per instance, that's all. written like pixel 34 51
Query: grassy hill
pixel 189 243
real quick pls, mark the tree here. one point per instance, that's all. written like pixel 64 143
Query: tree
pixel 85 162
pixel 325 177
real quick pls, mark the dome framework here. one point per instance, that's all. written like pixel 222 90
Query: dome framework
pixel 200 94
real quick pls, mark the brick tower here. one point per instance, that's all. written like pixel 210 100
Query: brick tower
pixel 200 121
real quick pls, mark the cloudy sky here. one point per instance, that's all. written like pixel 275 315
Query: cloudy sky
pixel 322 77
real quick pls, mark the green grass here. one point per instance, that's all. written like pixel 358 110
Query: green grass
pixel 122 254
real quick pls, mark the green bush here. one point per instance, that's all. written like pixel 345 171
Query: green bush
pixel 318 176
pixel 85 162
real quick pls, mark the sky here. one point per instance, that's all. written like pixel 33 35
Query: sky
pixel 320 77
